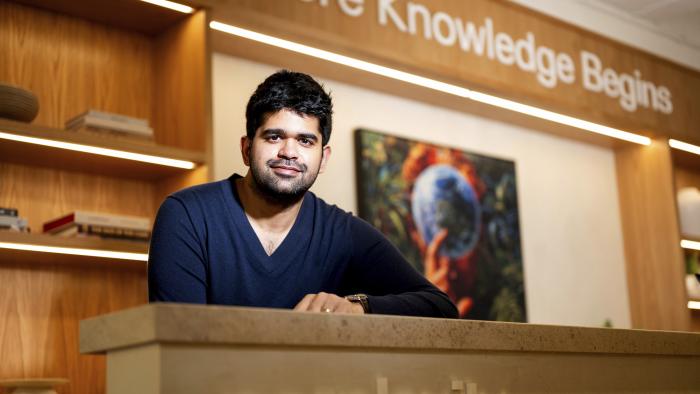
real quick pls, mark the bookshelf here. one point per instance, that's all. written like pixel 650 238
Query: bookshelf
pixel 85 243
pixel 121 56
pixel 47 156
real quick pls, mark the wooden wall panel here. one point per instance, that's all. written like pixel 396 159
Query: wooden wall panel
pixel 654 259
pixel 364 37
pixel 181 110
pixel 686 177
pixel 41 194
pixel 41 305
pixel 73 65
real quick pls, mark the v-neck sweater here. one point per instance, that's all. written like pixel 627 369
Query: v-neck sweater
pixel 205 251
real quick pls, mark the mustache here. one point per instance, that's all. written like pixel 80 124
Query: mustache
pixel 286 163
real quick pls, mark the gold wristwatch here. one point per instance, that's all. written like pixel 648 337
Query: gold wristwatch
pixel 359 299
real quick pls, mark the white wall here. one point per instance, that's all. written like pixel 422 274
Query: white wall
pixel 570 225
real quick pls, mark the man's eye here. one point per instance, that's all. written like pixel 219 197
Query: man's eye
pixel 305 141
pixel 273 138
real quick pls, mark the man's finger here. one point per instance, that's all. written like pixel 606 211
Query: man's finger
pixel 318 303
pixel 305 302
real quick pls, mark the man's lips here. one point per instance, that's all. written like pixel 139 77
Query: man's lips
pixel 290 168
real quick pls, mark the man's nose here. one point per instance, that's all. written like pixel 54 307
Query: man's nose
pixel 288 149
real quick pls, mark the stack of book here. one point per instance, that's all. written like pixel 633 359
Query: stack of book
pixel 108 123
pixel 9 220
pixel 103 225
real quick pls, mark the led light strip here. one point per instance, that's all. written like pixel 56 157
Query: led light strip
pixel 172 5
pixel 694 304
pixel 76 251
pixel 685 244
pixel 164 161
pixel 680 145
pixel 430 83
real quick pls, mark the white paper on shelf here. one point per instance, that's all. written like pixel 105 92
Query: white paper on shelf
pixel 689 211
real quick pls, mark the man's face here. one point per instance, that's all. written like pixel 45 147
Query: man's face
pixel 286 155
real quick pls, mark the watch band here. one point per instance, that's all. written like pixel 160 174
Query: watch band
pixel 359 299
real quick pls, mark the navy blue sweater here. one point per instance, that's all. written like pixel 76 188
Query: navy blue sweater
pixel 205 251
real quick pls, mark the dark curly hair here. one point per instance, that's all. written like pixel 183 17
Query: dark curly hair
pixel 294 91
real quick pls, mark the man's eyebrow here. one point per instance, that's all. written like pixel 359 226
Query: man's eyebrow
pixel 310 136
pixel 282 132
pixel 268 132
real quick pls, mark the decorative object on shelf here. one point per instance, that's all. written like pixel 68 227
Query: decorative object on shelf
pixel 94 121
pixel 10 220
pixel 689 211
pixel 17 103
pixel 32 386
pixel 444 207
pixel 83 224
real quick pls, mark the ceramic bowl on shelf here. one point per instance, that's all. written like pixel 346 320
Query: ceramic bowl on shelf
pixel 17 103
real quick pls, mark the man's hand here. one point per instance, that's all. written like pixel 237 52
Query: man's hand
pixel 328 303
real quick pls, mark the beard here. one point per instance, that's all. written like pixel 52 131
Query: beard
pixel 281 190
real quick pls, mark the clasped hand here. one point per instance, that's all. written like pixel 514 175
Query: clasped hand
pixel 328 303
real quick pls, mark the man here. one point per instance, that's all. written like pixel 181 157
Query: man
pixel 264 240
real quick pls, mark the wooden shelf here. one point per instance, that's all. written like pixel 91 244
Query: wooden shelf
pixel 686 160
pixel 129 15
pixel 14 255
pixel 45 156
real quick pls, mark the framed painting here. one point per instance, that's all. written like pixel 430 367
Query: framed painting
pixel 454 216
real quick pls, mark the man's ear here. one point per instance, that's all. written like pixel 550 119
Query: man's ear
pixel 246 144
pixel 325 155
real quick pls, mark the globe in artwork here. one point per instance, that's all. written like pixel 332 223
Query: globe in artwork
pixel 444 199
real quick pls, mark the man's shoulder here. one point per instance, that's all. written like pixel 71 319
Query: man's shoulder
pixel 204 191
pixel 332 213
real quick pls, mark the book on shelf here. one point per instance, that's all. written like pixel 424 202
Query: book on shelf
pixel 13 223
pixel 88 230
pixel 8 211
pixel 135 137
pixel 115 122
pixel 110 116
pixel 97 219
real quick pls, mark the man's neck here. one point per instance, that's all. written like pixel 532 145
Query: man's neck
pixel 262 212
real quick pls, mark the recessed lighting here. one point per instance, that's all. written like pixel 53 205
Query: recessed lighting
pixel 76 251
pixel 694 304
pixel 684 146
pixel 431 83
pixel 172 5
pixel 188 165
pixel 686 244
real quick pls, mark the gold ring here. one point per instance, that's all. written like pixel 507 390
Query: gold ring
pixel 327 310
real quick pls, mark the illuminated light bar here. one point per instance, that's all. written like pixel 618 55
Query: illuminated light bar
pixel 76 251
pixel 172 5
pixel 685 244
pixel 430 83
pixel 164 161
pixel 694 304
pixel 680 145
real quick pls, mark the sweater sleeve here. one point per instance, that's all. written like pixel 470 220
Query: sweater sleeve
pixel 176 259
pixel 392 285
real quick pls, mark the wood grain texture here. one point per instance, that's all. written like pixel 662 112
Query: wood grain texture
pixel 39 155
pixel 654 259
pixel 181 109
pixel 42 305
pixel 42 194
pixel 686 177
pixel 73 65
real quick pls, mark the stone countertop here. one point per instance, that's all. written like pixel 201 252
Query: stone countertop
pixel 220 325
